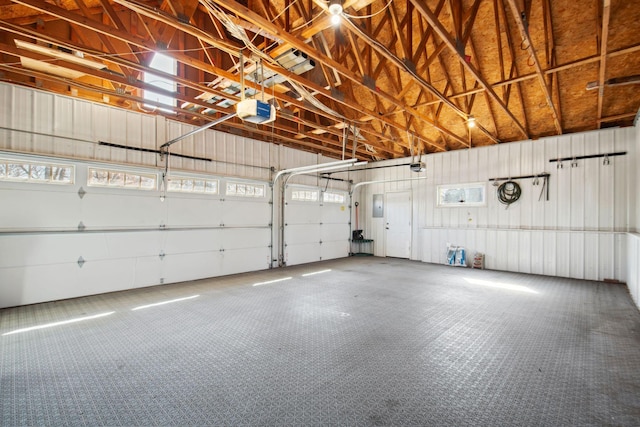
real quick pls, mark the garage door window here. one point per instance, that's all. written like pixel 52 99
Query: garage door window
pixel 42 173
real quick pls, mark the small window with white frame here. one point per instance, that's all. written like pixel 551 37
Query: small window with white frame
pixel 192 185
pixel 36 172
pixel 244 189
pixel 472 194
pixel 304 195
pixel 333 197
pixel 121 179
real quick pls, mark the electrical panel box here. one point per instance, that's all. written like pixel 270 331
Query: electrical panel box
pixel 378 205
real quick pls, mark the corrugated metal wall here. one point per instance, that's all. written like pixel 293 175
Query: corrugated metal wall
pixel 632 246
pixel 578 233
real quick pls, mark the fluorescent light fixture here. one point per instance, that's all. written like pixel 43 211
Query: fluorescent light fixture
pixel 63 322
pixel 316 272
pixel 164 302
pixel 271 281
pixel 507 286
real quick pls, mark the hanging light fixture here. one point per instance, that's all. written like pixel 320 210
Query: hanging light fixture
pixel 335 10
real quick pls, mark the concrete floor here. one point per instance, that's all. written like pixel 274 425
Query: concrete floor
pixel 365 341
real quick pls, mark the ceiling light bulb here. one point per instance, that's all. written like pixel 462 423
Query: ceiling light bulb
pixel 471 121
pixel 335 19
pixel 335 7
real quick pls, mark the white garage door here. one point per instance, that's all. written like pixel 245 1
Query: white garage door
pixel 316 225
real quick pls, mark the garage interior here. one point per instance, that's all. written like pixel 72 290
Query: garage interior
pixel 299 212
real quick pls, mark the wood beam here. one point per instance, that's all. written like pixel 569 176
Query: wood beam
pixel 617 117
pixel 513 70
pixel 523 26
pixel 397 28
pixel 557 69
pixel 606 12
pixel 256 19
pixel 422 82
pixel 551 56
pixel 451 44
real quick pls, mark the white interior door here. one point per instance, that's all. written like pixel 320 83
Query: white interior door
pixel 398 224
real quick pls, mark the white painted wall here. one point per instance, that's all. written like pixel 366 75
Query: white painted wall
pixel 632 240
pixel 580 232
pixel 131 238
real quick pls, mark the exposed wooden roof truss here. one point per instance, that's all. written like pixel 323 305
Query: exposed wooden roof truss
pixel 394 75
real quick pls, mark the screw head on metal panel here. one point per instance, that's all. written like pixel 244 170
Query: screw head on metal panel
pixel 81 262
pixel 81 226
pixel 162 255
pixel 81 192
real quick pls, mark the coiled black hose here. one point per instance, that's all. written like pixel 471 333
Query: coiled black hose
pixel 509 192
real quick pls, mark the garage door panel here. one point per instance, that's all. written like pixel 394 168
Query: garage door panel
pixel 336 249
pixel 147 271
pixel 298 213
pixel 238 238
pixel 296 234
pixel 28 212
pixel 191 266
pixel 302 253
pixel 200 211
pixel 186 241
pixel 334 232
pixel 243 260
pixel 335 213
pixel 246 212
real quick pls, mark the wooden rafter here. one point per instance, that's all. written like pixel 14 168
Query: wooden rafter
pixel 519 15
pixel 251 16
pixel 389 56
pixel 513 69
pixel 606 13
pixel 551 56
pixel 451 44
pixel 368 80
pixel 557 69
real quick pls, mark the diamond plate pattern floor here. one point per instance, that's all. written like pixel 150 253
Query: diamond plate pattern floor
pixel 373 341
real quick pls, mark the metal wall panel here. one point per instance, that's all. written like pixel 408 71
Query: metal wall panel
pixel 632 271
pixel 572 234
pixel 61 118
